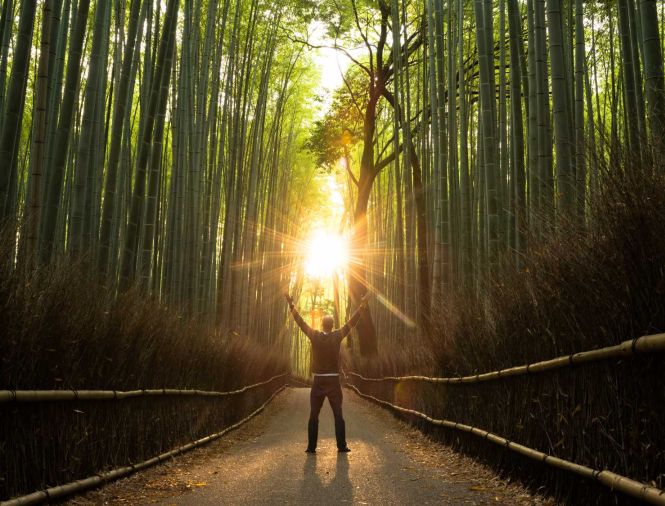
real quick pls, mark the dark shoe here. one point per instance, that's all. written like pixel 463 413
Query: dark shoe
pixel 343 450
pixel 310 450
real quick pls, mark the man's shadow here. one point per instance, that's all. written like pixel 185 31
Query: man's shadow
pixel 339 489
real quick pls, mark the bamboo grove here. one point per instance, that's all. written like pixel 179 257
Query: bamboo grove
pixel 153 142
pixel 480 126
pixel 169 146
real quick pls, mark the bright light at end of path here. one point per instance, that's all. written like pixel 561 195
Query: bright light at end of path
pixel 327 252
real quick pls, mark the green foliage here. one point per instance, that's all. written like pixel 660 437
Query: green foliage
pixel 341 127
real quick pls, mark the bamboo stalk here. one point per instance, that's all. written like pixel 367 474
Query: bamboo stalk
pixel 77 486
pixel 611 480
pixel 642 345
pixel 95 395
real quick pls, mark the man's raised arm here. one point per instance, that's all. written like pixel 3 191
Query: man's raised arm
pixel 296 316
pixel 355 317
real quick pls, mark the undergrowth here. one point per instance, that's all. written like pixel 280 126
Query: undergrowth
pixel 60 330
pixel 579 289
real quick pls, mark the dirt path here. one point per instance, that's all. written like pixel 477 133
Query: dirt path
pixel 264 463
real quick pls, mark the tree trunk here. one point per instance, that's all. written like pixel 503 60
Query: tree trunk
pixel 367 345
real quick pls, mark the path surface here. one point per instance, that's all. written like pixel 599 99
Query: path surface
pixel 264 463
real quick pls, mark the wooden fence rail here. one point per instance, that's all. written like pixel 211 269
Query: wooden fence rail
pixel 641 345
pixel 96 395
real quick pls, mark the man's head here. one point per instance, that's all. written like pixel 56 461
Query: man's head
pixel 327 323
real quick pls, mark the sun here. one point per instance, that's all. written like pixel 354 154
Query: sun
pixel 326 253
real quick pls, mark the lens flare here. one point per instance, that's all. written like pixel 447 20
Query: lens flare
pixel 326 253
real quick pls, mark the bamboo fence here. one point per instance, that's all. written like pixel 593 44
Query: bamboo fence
pixel 612 480
pixel 78 486
pixel 96 395
pixel 641 345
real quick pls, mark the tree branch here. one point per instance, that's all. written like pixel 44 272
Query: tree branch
pixel 382 164
pixel 353 95
pixel 347 166
pixel 335 46
pixel 363 35
pixel 382 38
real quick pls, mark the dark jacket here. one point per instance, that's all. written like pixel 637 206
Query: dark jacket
pixel 325 346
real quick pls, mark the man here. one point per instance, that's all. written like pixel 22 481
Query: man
pixel 325 365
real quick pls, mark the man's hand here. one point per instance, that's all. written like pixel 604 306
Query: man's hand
pixel 365 300
pixel 289 299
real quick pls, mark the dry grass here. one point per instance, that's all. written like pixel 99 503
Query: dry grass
pixel 61 330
